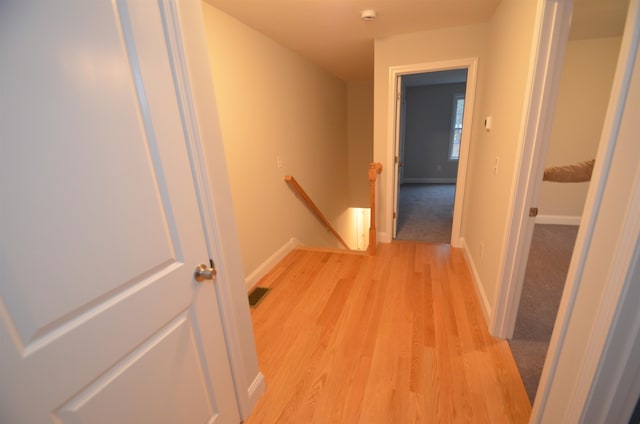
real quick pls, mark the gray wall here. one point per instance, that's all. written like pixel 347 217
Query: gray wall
pixel 427 131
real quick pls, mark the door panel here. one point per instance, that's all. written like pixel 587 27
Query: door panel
pixel 100 231
pixel 126 385
pixel 84 122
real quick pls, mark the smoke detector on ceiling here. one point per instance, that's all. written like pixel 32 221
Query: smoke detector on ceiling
pixel 368 15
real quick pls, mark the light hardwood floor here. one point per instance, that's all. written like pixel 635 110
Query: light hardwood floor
pixel 396 338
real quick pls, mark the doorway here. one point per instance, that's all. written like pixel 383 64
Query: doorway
pixel 585 84
pixel 430 129
pixel 431 148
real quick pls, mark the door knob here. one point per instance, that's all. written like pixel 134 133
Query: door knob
pixel 204 272
pixel 402 163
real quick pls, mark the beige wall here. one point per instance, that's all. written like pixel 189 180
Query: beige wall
pixel 273 103
pixel 488 197
pixel 503 49
pixel 411 49
pixel 585 85
pixel 360 134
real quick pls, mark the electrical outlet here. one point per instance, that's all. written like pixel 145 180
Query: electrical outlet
pixel 481 250
pixel 279 162
pixel 496 165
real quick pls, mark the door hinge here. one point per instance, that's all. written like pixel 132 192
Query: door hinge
pixel 533 212
pixel 394 215
pixel 396 159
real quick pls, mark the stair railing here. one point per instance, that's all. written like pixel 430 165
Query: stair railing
pixel 312 206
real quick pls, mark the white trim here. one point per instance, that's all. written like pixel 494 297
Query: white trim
pixel 399 136
pixel 471 64
pixel 186 102
pixel 402 140
pixel 482 295
pixel 549 42
pixel 262 269
pixel 619 282
pixel 256 389
pixel 624 397
pixel 608 360
pixel 593 203
pixel 456 98
pixel 429 180
pixel 383 237
pixel 558 219
pixel 190 61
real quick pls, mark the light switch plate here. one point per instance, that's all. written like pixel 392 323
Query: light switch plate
pixel 488 123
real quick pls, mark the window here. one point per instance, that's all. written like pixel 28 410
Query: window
pixel 456 126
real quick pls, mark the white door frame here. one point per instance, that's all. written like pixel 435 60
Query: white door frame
pixel 471 65
pixel 402 134
pixel 550 40
pixel 190 61
pixel 606 387
pixel 553 23
pixel 398 168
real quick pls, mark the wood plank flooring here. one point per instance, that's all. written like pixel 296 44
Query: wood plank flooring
pixel 396 338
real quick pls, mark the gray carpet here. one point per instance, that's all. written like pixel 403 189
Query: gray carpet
pixel 425 212
pixel 545 275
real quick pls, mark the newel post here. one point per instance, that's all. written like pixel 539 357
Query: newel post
pixel 374 169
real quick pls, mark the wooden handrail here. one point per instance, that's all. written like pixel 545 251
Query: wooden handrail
pixel 293 183
pixel 375 168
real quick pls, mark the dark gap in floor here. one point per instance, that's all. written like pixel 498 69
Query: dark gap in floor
pixel 257 295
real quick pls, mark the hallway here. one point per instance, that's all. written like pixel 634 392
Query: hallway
pixel 395 338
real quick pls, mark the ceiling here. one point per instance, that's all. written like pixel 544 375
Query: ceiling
pixel 598 18
pixel 331 34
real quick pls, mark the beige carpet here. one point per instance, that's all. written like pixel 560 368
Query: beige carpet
pixel 425 212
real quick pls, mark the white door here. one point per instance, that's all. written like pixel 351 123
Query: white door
pixel 101 320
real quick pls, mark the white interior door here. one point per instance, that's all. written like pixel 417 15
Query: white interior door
pixel 101 319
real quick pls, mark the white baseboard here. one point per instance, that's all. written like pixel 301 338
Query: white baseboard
pixel 262 270
pixel 482 295
pixel 256 389
pixel 451 180
pixel 558 219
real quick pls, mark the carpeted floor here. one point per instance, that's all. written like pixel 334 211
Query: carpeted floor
pixel 425 212
pixel 545 275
